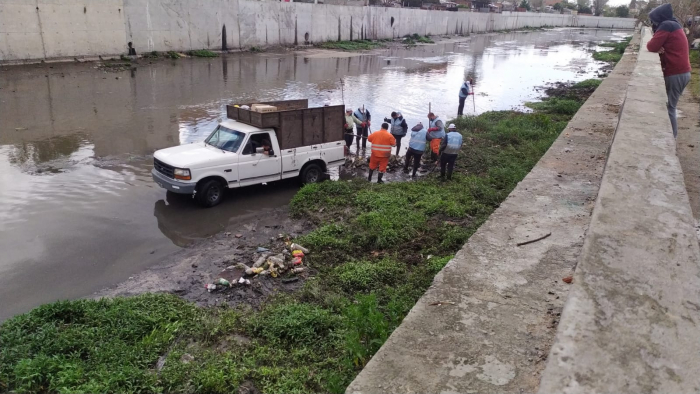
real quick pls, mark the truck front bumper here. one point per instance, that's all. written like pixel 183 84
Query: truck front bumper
pixel 171 184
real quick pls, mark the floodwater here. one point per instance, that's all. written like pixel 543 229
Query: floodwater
pixel 78 208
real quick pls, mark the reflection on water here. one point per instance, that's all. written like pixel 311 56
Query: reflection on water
pixel 76 198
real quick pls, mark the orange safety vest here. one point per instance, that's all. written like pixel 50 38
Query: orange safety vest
pixel 381 142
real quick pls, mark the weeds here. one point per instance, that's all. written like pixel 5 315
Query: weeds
pixel 587 84
pixel 358 45
pixel 202 53
pixel 172 55
pixel 615 54
pixel 151 55
pixel 415 39
pixel 371 260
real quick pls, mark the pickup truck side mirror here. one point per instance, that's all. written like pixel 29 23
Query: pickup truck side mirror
pixel 259 150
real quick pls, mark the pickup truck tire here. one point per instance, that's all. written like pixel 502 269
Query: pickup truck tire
pixel 210 193
pixel 312 173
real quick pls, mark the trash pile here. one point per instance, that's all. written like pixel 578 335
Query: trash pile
pixel 362 162
pixel 290 261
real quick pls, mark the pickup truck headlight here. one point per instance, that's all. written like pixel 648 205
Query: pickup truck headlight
pixel 181 173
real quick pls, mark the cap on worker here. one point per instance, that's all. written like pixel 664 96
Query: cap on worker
pixel 348 109
pixel 417 127
pixel 452 126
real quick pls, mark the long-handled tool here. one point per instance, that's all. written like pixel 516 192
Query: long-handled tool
pixel 471 82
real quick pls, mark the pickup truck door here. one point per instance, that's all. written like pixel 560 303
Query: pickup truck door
pixel 254 168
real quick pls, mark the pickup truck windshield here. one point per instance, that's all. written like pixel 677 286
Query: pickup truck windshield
pixel 226 139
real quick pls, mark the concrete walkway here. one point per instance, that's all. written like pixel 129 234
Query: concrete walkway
pixel 501 302
pixel 632 319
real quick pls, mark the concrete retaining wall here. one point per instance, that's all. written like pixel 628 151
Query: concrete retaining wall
pixel 43 29
pixel 631 322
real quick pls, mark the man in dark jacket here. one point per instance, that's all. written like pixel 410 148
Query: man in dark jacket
pixel 672 45
pixel 398 128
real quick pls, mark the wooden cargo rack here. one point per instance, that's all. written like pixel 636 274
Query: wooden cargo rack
pixel 294 122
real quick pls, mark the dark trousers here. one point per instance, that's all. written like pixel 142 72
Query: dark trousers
pixel 460 109
pixel 363 132
pixel 398 142
pixel 447 160
pixel 348 137
pixel 414 155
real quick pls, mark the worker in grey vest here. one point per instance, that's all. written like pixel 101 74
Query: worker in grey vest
pixel 464 92
pixel 449 149
pixel 398 128
pixel 436 132
pixel 363 130
pixel 416 147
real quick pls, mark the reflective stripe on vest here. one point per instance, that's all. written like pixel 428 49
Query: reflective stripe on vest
pixel 396 128
pixel 359 115
pixel 381 150
pixel 454 142
pixel 418 140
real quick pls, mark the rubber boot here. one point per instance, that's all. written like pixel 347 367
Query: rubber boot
pixel 369 178
pixel 449 175
pixel 405 164
pixel 379 177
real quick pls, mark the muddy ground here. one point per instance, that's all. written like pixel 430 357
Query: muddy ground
pixel 688 146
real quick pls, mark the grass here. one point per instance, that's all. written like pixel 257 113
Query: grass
pixel 172 55
pixel 615 54
pixel 357 45
pixel 375 250
pixel 416 39
pixel 587 84
pixel 695 74
pixel 203 53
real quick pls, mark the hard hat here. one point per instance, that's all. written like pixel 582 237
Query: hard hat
pixel 452 126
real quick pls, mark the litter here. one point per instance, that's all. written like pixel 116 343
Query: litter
pixel 299 247
pixel 568 279
pixel 210 287
pixel 297 261
pixel 438 303
pixel 534 240
pixel 258 270
pixel 298 270
pixel 276 260
pixel 260 262
pixel 262 250
pixel 290 280
pixel 297 253
pixel 223 282
pixel 243 281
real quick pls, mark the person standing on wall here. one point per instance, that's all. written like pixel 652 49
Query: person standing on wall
pixel 350 122
pixel 398 129
pixel 382 142
pixel 464 92
pixel 365 117
pixel 671 44
pixel 416 147
pixel 436 133
pixel 449 149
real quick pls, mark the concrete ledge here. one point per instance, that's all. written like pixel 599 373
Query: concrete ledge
pixel 632 319
pixel 495 332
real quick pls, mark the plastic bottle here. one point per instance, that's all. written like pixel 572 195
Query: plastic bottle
pixel 299 247
pixel 223 282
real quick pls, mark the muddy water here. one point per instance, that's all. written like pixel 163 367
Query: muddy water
pixel 78 209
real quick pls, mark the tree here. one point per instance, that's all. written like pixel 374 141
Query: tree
pixel 599 6
pixel 525 4
pixel 558 6
pixel 622 11
pixel 633 4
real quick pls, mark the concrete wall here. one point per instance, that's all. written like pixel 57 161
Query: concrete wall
pixel 631 322
pixel 44 29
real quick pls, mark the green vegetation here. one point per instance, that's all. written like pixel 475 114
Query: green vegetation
pixel 417 39
pixel 615 54
pixel 172 55
pixel 256 49
pixel 357 45
pixel 124 58
pixel 203 53
pixel 151 55
pixel 587 84
pixel 375 251
pixel 695 75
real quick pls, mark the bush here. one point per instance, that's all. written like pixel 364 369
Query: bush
pixel 203 53
pixel 587 84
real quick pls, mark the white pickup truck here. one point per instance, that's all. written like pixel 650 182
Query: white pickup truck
pixel 238 154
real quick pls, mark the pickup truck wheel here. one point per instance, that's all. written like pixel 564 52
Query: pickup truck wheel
pixel 311 174
pixel 210 193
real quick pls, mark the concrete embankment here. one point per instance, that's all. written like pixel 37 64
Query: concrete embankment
pixel 631 322
pixel 490 317
pixel 67 28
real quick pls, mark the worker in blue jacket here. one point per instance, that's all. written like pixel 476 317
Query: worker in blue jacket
pixel 416 147
pixel 449 149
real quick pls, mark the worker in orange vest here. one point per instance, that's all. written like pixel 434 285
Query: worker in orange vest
pixel 382 142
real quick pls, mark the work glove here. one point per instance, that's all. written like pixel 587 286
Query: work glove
pixel 347 126
pixel 369 123
pixel 364 124
pixel 387 120
pixel 433 129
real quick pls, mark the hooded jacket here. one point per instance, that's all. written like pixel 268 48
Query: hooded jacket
pixel 669 35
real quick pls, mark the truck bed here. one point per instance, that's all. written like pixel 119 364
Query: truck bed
pixel 296 125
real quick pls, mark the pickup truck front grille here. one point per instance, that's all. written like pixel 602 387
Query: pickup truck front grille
pixel 163 168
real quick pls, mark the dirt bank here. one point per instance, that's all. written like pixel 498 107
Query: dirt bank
pixel 187 272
